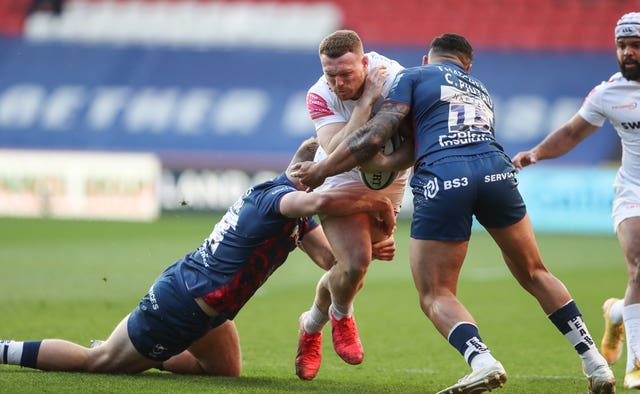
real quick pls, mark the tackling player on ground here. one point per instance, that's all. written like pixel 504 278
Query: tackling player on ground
pixel 184 324
pixel 618 100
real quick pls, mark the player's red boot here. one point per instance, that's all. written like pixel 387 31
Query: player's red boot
pixel 346 341
pixel 309 353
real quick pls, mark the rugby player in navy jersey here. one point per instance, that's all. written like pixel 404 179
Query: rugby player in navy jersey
pixel 184 324
pixel 461 171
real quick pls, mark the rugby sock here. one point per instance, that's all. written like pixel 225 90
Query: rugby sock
pixel 568 320
pixel 314 320
pixel 24 354
pixel 465 337
pixel 341 311
pixel 631 314
pixel 616 311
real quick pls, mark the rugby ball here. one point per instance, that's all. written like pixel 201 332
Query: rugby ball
pixel 378 180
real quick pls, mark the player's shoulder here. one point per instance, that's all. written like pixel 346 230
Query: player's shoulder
pixel 614 84
pixel 376 59
pixel 266 196
pixel 417 73
pixel 320 87
pixel 319 94
pixel 272 187
pixel 614 81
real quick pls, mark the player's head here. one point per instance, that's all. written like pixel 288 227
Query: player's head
pixel 306 152
pixel 451 47
pixel 344 64
pixel 627 34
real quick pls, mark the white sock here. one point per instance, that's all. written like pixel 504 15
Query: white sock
pixel 314 320
pixel 482 360
pixel 580 338
pixel 341 311
pixel 10 352
pixel 616 312
pixel 631 315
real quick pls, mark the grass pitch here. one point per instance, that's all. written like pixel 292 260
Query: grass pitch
pixel 76 279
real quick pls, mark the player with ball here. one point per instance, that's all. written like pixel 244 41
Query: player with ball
pixel 351 89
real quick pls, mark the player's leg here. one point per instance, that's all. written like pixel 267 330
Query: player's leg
pixel 115 355
pixel 611 345
pixel 522 256
pixel 350 240
pixel 435 266
pixel 628 232
pixel 217 353
pixel 311 323
pixel 520 251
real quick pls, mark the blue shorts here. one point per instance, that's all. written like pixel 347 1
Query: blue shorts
pixel 447 193
pixel 168 320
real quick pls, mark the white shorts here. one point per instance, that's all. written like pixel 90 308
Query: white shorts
pixel 626 203
pixel 351 180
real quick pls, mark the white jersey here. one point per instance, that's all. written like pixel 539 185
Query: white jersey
pixel 325 108
pixel 618 100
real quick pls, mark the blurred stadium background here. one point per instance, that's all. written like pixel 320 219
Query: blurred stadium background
pixel 124 109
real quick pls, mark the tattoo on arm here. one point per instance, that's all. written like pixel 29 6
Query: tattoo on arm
pixel 365 142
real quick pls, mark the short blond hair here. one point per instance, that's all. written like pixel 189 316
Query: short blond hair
pixel 340 42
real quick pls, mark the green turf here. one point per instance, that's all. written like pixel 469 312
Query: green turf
pixel 77 279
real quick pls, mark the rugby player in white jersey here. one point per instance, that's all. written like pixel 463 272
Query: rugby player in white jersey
pixel 352 87
pixel 617 100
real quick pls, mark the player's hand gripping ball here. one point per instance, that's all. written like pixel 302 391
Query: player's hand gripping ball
pixel 378 180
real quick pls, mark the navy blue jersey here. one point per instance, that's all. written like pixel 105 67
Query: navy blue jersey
pixel 453 112
pixel 250 241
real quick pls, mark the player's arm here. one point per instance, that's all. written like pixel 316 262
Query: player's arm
pixel 401 158
pixel 558 143
pixel 384 250
pixel 317 247
pixel 337 202
pixel 359 147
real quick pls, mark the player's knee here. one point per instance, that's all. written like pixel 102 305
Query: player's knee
pixel 535 279
pixel 431 303
pixel 230 368
pixel 99 362
pixel 355 273
pixel 634 270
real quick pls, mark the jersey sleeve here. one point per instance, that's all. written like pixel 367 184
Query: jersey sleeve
pixel 321 107
pixel 269 203
pixel 310 223
pixel 591 109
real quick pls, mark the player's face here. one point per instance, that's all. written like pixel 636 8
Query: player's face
pixel 345 74
pixel 628 53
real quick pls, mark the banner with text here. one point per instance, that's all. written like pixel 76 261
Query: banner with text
pixel 79 185
pixel 245 108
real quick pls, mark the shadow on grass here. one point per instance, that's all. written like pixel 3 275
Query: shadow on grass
pixel 21 380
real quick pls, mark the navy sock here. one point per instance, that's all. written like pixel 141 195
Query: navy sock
pixel 30 352
pixel 568 320
pixel 466 338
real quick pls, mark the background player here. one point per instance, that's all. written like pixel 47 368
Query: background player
pixel 460 172
pixel 616 100
pixel 184 323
